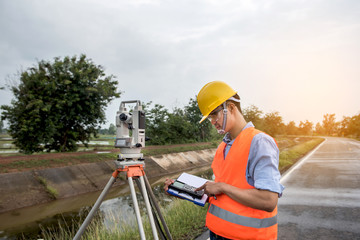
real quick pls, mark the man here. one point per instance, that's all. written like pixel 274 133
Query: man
pixel 243 197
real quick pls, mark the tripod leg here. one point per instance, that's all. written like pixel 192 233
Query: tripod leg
pixel 136 208
pixel 157 223
pixel 94 208
pixel 148 207
pixel 157 208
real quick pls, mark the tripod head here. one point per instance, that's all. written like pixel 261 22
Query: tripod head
pixel 130 131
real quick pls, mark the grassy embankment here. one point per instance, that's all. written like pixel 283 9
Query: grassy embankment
pixel 51 160
pixel 185 220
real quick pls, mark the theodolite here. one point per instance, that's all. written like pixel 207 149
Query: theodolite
pixel 130 131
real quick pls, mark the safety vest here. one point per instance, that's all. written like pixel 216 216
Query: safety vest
pixel 225 216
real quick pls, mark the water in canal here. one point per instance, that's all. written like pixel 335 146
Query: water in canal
pixel 27 223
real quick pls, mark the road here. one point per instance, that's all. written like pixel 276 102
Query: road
pixel 322 195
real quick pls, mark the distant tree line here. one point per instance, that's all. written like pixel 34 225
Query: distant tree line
pixel 182 125
pixel 272 123
pixel 108 131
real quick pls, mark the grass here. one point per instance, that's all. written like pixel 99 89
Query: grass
pixel 41 163
pixel 38 162
pixel 49 189
pixel 177 149
pixel 184 219
pixel 290 155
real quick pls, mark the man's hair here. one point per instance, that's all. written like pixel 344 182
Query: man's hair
pixel 237 104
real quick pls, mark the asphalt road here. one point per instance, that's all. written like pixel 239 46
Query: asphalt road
pixel 322 195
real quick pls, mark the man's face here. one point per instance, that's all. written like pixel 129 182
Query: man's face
pixel 216 117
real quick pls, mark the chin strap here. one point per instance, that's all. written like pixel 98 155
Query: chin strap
pixel 222 131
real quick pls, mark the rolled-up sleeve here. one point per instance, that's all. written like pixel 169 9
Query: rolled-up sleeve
pixel 263 164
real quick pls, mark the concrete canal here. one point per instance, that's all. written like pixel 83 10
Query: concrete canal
pixel 76 192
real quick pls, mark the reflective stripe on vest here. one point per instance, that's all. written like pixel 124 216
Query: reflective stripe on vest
pixel 242 220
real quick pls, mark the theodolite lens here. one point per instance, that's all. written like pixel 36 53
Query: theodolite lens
pixel 123 117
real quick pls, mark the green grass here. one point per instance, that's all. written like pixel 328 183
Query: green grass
pixel 167 150
pixel 37 162
pixel 184 219
pixel 290 155
pixel 53 193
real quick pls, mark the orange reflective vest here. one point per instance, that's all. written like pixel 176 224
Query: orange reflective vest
pixel 225 216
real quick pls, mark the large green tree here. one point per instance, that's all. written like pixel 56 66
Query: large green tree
pixel 58 104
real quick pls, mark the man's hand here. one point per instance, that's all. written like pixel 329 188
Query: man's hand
pixel 167 183
pixel 254 198
pixel 212 188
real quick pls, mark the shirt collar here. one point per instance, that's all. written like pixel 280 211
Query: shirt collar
pixel 227 139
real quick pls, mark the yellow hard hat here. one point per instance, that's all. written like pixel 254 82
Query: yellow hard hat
pixel 212 95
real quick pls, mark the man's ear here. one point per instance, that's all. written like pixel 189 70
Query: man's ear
pixel 231 107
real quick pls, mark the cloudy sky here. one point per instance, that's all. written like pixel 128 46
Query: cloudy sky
pixel 298 57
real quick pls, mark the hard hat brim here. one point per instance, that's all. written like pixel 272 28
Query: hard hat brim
pixel 203 118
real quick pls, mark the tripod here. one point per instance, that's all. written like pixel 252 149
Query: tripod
pixel 134 171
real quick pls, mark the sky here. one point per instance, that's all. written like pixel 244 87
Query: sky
pixel 300 58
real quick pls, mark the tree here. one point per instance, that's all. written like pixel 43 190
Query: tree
pixel 178 126
pixel 319 129
pixel 354 126
pixel 112 129
pixel 156 128
pixel 58 104
pixel 306 127
pixel 179 130
pixel 344 126
pixel 253 114
pixel 201 131
pixel 291 128
pixel 329 124
pixel 273 124
pixel 1 126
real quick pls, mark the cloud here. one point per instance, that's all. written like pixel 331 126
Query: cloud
pixel 279 55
